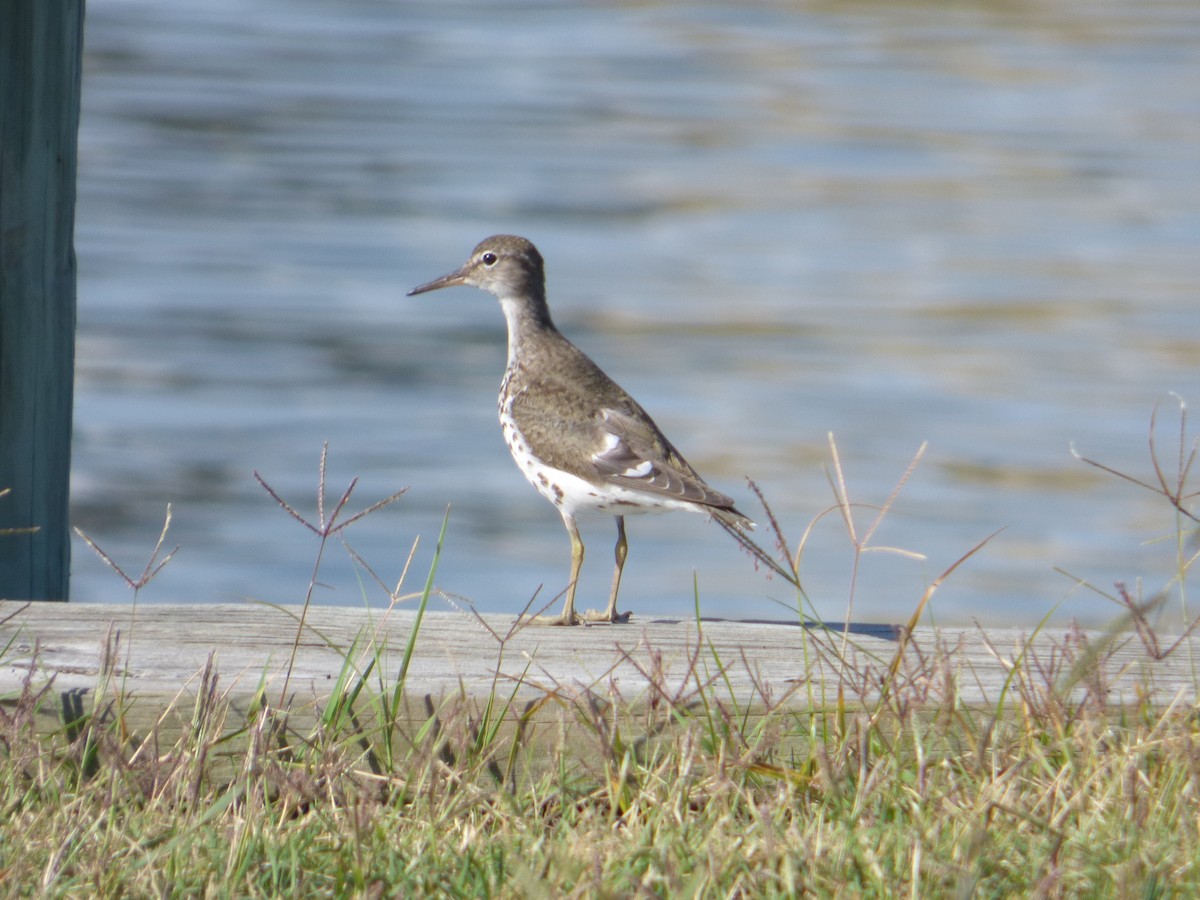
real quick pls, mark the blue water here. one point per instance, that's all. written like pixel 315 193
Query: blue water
pixel 972 225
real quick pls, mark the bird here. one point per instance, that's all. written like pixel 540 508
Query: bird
pixel 579 438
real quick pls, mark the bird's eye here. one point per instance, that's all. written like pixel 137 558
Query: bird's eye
pixel 489 259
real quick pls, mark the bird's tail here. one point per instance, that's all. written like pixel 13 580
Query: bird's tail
pixel 732 518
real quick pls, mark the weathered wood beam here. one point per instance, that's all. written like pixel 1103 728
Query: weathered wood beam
pixel 157 652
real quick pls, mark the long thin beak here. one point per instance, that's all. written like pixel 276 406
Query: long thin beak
pixel 454 278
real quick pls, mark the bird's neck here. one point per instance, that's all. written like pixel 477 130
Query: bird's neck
pixel 528 320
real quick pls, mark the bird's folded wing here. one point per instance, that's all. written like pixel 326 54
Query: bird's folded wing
pixel 635 455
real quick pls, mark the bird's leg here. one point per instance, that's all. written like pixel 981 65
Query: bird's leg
pixel 622 550
pixel 568 616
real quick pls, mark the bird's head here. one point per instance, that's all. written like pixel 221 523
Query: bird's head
pixel 504 265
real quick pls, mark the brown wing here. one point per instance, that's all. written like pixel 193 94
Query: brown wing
pixel 589 426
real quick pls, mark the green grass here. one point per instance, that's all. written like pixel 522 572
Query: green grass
pixel 873 779
pixel 683 790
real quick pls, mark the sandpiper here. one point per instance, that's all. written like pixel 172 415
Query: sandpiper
pixel 582 441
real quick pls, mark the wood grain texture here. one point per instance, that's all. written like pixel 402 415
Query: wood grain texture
pixel 161 649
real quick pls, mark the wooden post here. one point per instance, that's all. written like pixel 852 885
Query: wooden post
pixel 41 44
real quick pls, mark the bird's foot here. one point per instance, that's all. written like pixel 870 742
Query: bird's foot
pixel 608 618
pixel 560 619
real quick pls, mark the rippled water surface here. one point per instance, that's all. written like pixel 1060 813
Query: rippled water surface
pixel 975 225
